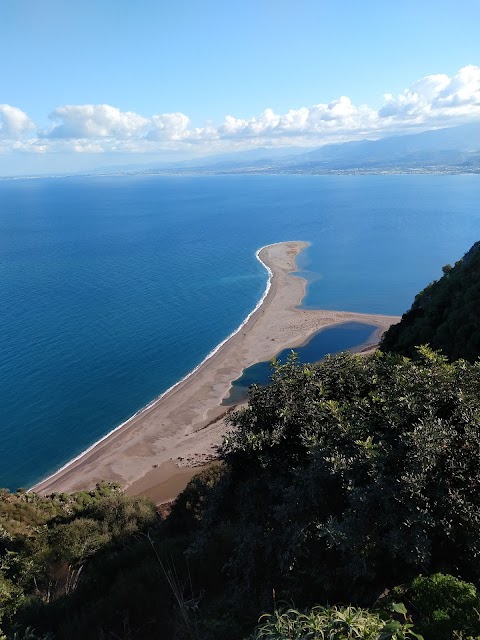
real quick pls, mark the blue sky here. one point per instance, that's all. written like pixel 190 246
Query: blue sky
pixel 101 82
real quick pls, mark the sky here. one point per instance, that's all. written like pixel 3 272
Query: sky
pixel 111 82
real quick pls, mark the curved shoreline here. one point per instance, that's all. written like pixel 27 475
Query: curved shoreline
pixel 185 422
pixel 164 393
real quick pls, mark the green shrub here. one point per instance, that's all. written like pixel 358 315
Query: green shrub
pixel 333 623
pixel 446 605
pixel 340 480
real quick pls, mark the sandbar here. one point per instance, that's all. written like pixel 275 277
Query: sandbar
pixel 157 451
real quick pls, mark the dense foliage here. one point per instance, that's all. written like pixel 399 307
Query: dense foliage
pixel 445 315
pixel 339 481
pixel 444 605
pixel 443 608
pixel 54 549
pixel 344 623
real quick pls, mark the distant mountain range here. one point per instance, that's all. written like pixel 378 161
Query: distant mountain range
pixel 451 150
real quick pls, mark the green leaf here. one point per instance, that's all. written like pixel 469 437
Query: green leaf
pixel 399 607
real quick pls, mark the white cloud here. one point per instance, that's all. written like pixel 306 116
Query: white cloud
pixel 169 126
pixel 91 121
pixel 433 101
pixel 318 120
pixel 13 122
pixel 437 97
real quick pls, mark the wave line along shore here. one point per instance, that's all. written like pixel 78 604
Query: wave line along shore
pixel 175 384
pixel 184 424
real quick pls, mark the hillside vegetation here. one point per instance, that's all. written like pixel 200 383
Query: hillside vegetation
pixel 341 483
pixel 445 315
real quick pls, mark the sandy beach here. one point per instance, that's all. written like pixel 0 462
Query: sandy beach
pixel 157 451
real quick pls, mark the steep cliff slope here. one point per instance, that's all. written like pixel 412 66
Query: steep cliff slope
pixel 445 315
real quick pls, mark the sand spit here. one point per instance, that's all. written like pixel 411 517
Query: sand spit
pixel 183 427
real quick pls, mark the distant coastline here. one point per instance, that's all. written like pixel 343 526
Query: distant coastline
pixel 445 151
pixel 434 170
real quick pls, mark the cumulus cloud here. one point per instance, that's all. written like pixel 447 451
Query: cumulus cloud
pixel 433 101
pixel 437 97
pixel 91 121
pixel 315 121
pixel 14 122
pixel 169 126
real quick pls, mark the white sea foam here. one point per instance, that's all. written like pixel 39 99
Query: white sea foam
pixel 210 355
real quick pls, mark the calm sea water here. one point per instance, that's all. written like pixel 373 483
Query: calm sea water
pixel 114 288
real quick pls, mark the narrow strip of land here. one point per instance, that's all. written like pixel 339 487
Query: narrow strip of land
pixel 183 427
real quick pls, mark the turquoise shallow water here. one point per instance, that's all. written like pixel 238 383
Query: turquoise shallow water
pixel 114 288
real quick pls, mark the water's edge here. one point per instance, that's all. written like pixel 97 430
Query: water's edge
pixel 186 377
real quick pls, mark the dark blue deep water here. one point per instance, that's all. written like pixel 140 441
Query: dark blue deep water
pixel 114 288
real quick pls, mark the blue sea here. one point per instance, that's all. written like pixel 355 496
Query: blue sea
pixel 113 288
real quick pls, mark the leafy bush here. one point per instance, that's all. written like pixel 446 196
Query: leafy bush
pixel 340 480
pixel 51 545
pixel 445 605
pixel 332 623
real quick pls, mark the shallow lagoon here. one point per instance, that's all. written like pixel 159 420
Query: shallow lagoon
pixel 331 340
